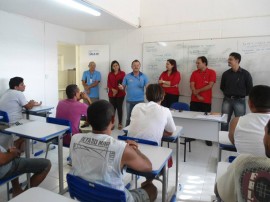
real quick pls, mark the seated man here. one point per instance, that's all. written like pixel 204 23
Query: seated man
pixel 151 121
pixel 11 164
pixel 246 132
pixel 99 158
pixel 248 177
pixel 12 102
pixel 72 109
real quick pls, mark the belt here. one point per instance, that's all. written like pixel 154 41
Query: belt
pixel 234 97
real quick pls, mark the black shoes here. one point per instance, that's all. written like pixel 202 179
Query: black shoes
pixel 208 143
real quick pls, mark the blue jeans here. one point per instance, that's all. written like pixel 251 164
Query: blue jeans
pixel 130 106
pixel 238 106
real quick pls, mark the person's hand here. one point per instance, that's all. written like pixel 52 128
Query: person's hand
pixel 114 91
pixel 13 150
pixel 84 96
pixel 200 98
pixel 160 81
pixel 133 144
pixel 195 92
pixel 37 103
pixel 121 87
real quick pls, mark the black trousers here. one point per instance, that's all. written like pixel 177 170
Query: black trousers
pixel 169 99
pixel 117 103
pixel 200 107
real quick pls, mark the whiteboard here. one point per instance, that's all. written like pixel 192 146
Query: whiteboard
pixel 255 52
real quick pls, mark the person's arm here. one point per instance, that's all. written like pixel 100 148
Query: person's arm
pixel 249 83
pixel 205 88
pixel 170 126
pixel 174 82
pixel 134 159
pixel 85 97
pixel 222 83
pixel 30 104
pixel 6 157
pixel 233 125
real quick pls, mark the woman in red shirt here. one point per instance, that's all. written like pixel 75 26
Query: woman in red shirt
pixel 116 96
pixel 170 80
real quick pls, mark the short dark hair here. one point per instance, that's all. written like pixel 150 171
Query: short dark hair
pixel 113 62
pixel 135 61
pixel 71 90
pixel 155 93
pixel 173 63
pixel 203 59
pixel 260 96
pixel 99 114
pixel 15 81
pixel 236 56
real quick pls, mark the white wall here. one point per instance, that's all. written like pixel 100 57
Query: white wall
pixel 69 55
pixel 126 45
pixel 162 12
pixel 128 11
pixel 29 49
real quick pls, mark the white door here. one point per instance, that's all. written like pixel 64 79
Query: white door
pixel 100 55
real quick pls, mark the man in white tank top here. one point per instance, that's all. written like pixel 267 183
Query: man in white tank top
pixel 100 158
pixel 246 132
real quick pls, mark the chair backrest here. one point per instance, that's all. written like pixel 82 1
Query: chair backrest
pixel 85 191
pixel 138 140
pixel 5 118
pixel 64 122
pixel 180 106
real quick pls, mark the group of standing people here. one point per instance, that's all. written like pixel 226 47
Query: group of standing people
pixel 236 83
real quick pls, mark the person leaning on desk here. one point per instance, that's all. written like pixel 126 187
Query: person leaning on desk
pixel 107 167
pixel 12 102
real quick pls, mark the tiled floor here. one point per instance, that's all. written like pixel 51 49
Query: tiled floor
pixel 196 176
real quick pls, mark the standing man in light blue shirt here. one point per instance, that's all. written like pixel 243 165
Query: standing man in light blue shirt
pixel 134 83
pixel 90 82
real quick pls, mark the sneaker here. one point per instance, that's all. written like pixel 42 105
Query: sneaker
pixel 208 143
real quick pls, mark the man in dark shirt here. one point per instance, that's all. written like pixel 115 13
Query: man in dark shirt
pixel 235 85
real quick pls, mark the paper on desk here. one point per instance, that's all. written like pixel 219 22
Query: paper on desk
pixel 212 117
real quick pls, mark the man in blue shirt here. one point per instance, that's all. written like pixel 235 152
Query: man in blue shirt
pixel 134 83
pixel 90 81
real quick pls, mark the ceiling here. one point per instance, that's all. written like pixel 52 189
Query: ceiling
pixel 55 13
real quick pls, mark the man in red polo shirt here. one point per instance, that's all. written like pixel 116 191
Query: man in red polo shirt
pixel 201 83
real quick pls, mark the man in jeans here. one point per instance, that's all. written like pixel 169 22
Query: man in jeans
pixel 236 84
pixel 134 83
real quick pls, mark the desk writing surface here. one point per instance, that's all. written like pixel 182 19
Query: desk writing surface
pixel 41 195
pixel 157 155
pixel 38 130
pixel 199 116
pixel 40 108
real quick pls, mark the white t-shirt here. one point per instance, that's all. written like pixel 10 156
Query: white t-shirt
pixel 97 158
pixel 12 102
pixel 249 133
pixel 149 120
pixel 238 183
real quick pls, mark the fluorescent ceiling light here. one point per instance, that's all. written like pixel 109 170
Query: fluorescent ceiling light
pixel 80 5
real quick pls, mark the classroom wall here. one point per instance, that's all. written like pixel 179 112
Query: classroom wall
pixel 29 49
pixel 128 11
pixel 126 45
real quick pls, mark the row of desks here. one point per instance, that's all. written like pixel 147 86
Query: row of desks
pixel 196 125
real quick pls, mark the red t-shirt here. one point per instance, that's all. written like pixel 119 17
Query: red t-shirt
pixel 202 79
pixel 174 78
pixel 113 81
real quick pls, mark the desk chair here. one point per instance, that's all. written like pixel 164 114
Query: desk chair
pixel 224 143
pixel 5 119
pixel 59 122
pixel 185 107
pixel 6 181
pixel 85 191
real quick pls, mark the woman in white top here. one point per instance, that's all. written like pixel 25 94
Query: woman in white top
pixel 247 132
pixel 151 121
